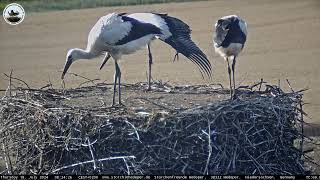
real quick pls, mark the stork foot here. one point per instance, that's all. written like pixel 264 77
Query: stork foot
pixel 113 105
pixel 234 96
pixel 148 89
pixel 121 105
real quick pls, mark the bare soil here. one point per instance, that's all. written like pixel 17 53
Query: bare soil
pixel 282 43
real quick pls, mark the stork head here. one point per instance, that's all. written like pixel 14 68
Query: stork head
pixel 223 24
pixel 221 28
pixel 72 55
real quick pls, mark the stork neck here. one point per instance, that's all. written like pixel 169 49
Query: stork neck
pixel 85 54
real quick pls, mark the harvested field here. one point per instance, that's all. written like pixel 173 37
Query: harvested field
pixel 282 44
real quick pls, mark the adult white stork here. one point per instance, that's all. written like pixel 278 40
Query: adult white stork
pixel 119 34
pixel 229 39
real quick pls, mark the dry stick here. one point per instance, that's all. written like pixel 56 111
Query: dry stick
pixel 260 84
pixel 302 128
pixel 50 82
pixel 28 102
pixel 9 76
pixel 218 84
pixel 91 161
pixel 48 85
pixel 206 170
pixel 290 86
pixel 161 106
pixel 302 120
pixel 257 84
pixel 40 158
pixel 10 83
pixel 87 82
pixel 7 158
pixel 135 130
pixel 90 80
pixel 128 169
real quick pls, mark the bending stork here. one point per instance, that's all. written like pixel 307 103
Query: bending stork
pixel 229 39
pixel 118 34
pixel 12 13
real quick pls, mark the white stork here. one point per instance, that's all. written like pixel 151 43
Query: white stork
pixel 229 39
pixel 117 34
pixel 12 13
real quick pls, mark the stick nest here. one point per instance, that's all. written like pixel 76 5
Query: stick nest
pixel 254 134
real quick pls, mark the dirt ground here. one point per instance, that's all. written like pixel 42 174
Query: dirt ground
pixel 282 43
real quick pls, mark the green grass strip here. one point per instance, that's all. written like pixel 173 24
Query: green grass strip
pixel 52 5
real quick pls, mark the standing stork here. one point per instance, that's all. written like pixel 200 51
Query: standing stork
pixel 119 34
pixel 229 39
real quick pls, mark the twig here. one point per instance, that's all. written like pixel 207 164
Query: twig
pixel 257 84
pixel 218 84
pixel 7 158
pixel 301 117
pixel 135 130
pixel 290 85
pixel 10 77
pixel 125 162
pixel 28 102
pixel 40 158
pixel 91 161
pixel 302 128
pixel 91 152
pixel 161 106
pixel 91 80
pixel 260 84
pixel 206 170
pixel 77 75
pixel 48 85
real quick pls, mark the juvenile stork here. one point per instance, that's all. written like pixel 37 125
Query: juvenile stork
pixel 119 34
pixel 229 39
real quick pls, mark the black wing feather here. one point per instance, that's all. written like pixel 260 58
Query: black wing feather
pixel 182 43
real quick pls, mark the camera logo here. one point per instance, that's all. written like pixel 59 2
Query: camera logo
pixel 13 14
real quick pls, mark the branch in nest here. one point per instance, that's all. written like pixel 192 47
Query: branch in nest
pixel 91 161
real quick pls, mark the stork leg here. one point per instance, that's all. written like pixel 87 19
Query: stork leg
pixel 150 63
pixel 229 72
pixel 119 81
pixel 234 81
pixel 115 83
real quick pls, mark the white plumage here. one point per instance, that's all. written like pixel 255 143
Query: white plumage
pixel 229 39
pixel 156 20
pixel 119 34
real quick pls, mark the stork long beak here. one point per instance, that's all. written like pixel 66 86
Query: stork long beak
pixel 66 67
pixel 105 60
